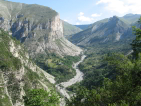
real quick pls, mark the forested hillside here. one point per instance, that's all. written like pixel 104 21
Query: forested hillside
pixel 114 83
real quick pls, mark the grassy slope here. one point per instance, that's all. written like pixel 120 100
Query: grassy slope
pixel 35 11
pixel 83 27
pixel 70 29
pixel 100 31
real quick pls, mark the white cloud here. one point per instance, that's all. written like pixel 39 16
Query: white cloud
pixel 83 18
pixel 122 6
pixel 96 15
pixel 80 14
pixel 65 20
pixel 77 23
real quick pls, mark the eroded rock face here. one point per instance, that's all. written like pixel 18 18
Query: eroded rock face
pixel 14 82
pixel 48 39
pixel 40 30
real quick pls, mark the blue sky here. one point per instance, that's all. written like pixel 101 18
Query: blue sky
pixel 88 11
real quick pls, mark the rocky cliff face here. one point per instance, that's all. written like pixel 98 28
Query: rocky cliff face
pixel 18 73
pixel 38 27
pixel 50 40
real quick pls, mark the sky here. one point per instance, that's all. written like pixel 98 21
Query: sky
pixel 79 12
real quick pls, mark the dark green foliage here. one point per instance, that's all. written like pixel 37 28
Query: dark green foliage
pixel 124 90
pixel 40 97
pixel 136 44
pixel 122 84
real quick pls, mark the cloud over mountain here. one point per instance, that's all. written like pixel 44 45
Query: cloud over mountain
pixel 122 6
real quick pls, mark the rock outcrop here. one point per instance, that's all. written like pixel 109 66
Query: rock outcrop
pixel 18 73
pixel 39 28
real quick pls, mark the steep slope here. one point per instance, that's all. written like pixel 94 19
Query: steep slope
pixel 83 27
pixel 70 29
pixel 105 31
pixel 18 73
pixel 38 27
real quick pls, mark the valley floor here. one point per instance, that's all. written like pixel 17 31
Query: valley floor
pixel 77 78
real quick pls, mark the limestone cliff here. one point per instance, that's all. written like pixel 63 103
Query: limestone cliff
pixel 39 28
pixel 18 73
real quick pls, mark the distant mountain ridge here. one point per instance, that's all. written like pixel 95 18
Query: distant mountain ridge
pixel 83 27
pixel 114 29
pixel 132 18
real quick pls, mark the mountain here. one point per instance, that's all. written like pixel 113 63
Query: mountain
pixel 131 18
pixel 70 29
pixel 107 31
pixel 39 28
pixel 105 37
pixel 18 73
pixel 83 27
pixel 101 32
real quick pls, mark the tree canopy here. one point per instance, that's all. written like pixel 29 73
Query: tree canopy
pixel 124 89
pixel 40 97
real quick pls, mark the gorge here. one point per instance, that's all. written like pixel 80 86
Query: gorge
pixel 97 64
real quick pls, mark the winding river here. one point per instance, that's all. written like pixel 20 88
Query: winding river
pixel 77 78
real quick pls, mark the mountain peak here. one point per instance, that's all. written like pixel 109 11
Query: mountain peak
pixel 114 18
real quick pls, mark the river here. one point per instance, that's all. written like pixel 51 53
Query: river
pixel 77 78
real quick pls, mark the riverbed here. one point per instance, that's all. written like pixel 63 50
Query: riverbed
pixel 77 78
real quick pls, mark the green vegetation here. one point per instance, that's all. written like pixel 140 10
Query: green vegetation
pixel 13 87
pixel 70 29
pixel 38 12
pixel 118 82
pixel 57 66
pixel 94 65
pixel 40 97
pixel 83 27
pixel 123 89
pixel 136 44
pixel 31 75
pixel 11 74
pixel 7 60
pixel 30 79
pixel 105 32
pixel 4 100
